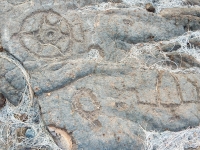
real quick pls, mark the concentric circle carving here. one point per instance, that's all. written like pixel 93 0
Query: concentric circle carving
pixel 92 112
pixel 46 34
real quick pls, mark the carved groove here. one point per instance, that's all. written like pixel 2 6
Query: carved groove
pixel 90 115
pixel 196 87
pixel 158 86
pixel 178 88
pixel 46 34
pixel 17 2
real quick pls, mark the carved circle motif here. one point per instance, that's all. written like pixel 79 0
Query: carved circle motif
pixel 46 34
pixel 90 115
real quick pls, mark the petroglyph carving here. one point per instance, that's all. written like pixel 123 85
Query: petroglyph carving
pixel 168 92
pixel 46 34
pixel 17 2
pixel 172 90
pixel 86 112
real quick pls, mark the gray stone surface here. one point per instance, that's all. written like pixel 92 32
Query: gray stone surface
pixel 77 55
pixel 34 41
pixel 12 80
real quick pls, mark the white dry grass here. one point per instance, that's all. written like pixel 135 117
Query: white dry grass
pixel 11 123
pixel 185 40
pixel 189 138
pixel 26 75
pixel 186 47
pixel 158 4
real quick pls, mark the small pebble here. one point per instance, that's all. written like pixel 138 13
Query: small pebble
pixel 30 133
pixel 1 49
pixel 149 7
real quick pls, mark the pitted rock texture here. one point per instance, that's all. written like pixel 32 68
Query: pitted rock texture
pixel 83 78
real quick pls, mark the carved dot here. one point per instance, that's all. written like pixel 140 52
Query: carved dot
pixel 128 22
pixel 50 34
pixel 121 106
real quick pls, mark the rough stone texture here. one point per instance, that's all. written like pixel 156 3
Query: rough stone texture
pixel 192 2
pixel 12 80
pixel 82 78
pixel 48 44
pixel 2 100
pixel 189 18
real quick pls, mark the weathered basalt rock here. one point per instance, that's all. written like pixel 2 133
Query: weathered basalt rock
pixel 83 77
pixel 189 18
